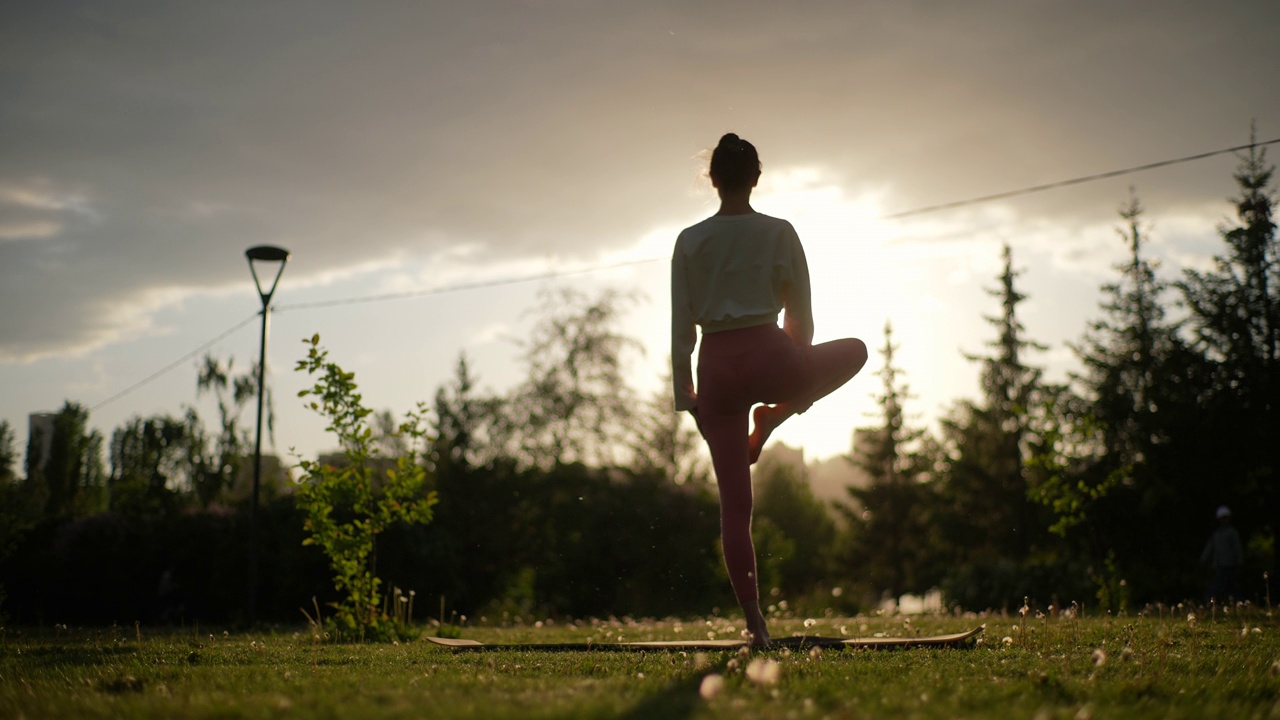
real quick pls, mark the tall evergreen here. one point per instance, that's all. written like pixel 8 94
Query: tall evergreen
pixel 992 529
pixel 890 537
pixel 1234 313
pixel 1139 482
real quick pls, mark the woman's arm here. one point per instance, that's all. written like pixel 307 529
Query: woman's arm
pixel 684 335
pixel 797 298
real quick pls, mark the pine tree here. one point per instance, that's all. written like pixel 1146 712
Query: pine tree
pixel 1234 313
pixel 991 526
pixel 890 538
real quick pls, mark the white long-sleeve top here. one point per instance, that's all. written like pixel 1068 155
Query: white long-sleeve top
pixel 734 271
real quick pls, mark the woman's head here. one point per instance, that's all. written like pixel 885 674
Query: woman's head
pixel 735 166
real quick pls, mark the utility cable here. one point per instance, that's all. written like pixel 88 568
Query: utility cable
pixel 551 275
pixel 1073 181
pixel 176 363
pixel 597 268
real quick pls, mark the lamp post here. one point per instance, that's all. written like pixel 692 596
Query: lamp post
pixel 263 254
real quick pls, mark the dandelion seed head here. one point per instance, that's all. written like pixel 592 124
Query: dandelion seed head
pixel 1126 654
pixel 815 653
pixel 711 686
pixel 837 591
pixel 763 671
pixel 1099 657
pixel 1007 641
pixel 810 622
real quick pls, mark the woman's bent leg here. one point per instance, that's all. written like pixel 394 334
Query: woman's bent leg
pixel 828 366
pixel 726 437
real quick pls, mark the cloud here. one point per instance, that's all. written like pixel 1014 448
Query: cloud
pixel 147 145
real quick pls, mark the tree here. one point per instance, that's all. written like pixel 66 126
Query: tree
pixel 1131 426
pixel 155 461
pixel 462 425
pixel 233 393
pixel 991 527
pixel 575 405
pixel 8 454
pixel 665 443
pixel 1234 315
pixel 348 507
pixel 792 529
pixel 68 481
pixel 889 538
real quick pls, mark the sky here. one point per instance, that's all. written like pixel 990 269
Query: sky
pixel 415 148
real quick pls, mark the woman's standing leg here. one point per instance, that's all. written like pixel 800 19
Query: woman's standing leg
pixel 726 436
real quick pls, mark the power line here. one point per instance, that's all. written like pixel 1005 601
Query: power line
pixel 551 275
pixel 1073 181
pixel 175 363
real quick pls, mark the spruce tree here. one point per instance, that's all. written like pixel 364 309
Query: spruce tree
pixel 990 525
pixel 889 543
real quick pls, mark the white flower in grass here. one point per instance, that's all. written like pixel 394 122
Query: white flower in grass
pixel 810 622
pixel 763 671
pixel 1099 657
pixel 711 686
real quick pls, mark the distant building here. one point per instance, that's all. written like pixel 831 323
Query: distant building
pixel 827 478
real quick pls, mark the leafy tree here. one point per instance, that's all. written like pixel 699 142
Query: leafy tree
pixel 155 461
pixel 14 513
pixel 68 481
pixel 233 394
pixel 463 424
pixel 793 530
pixel 8 454
pixel 575 405
pixel 889 533
pixel 665 443
pixel 348 507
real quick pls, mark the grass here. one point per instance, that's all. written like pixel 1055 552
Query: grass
pixel 1159 664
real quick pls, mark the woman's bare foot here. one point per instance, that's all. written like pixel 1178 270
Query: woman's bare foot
pixel 766 418
pixel 757 632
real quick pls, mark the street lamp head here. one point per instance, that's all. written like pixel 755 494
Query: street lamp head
pixel 266 253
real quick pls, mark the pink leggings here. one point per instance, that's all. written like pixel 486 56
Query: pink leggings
pixel 736 370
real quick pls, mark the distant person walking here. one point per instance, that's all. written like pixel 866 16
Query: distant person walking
pixel 1224 553
pixel 731 274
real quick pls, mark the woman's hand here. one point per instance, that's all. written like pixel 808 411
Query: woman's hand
pixel 697 421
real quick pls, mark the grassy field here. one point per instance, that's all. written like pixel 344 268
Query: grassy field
pixel 1169 663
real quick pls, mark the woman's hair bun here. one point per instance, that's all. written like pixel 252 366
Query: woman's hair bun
pixel 735 165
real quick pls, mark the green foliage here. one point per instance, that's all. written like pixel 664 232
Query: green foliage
pixel 575 405
pixel 68 480
pixel 348 507
pixel 155 461
pixel 233 393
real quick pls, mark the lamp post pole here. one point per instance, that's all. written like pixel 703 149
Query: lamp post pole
pixel 269 254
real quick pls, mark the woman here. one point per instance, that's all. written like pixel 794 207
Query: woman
pixel 731 274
